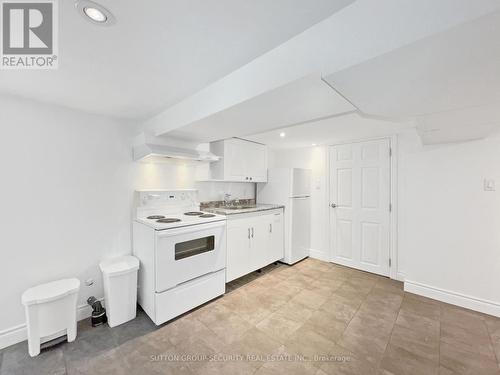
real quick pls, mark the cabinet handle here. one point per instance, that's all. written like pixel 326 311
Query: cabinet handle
pixel 248 233
pixel 270 228
pixel 252 232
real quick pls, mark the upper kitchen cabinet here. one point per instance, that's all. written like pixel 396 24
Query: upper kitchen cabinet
pixel 242 160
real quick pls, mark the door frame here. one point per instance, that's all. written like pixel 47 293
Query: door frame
pixel 394 272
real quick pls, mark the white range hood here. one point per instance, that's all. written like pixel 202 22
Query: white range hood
pixel 156 153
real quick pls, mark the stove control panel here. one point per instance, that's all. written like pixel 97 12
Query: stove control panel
pixel 167 200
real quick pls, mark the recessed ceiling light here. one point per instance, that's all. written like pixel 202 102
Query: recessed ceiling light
pixel 314 144
pixel 95 13
pixel 282 134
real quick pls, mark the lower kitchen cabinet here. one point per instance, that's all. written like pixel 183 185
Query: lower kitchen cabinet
pixel 276 246
pixel 254 240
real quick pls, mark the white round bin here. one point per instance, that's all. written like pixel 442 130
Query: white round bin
pixel 50 312
pixel 120 288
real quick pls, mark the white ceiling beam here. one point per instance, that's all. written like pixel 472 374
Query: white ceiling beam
pixel 359 32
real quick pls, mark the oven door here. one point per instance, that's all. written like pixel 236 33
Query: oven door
pixel 183 254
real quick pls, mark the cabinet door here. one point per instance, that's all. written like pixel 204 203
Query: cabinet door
pixel 257 162
pixel 236 158
pixel 238 248
pixel 261 237
pixel 276 248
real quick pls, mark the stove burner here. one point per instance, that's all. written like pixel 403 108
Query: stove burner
pixel 207 215
pixel 193 213
pixel 168 220
pixel 155 217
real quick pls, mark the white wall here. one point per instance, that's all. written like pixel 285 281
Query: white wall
pixel 449 237
pixel 67 186
pixel 448 232
pixel 215 191
pixel 313 158
pixel 67 183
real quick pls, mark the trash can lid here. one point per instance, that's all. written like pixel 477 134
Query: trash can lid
pixel 50 291
pixel 120 265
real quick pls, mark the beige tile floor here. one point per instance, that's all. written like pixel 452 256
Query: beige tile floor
pixel 312 318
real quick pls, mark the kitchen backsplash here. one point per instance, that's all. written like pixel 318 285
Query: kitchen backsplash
pixel 239 202
pixel 215 191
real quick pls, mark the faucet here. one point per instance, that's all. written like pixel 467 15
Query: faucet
pixel 227 199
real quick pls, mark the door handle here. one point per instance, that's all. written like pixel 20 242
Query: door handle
pixel 333 205
pixel 252 232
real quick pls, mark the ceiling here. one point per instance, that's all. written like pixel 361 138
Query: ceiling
pixel 450 82
pixel 348 127
pixel 200 70
pixel 470 123
pixel 444 57
pixel 159 51
pixel 301 101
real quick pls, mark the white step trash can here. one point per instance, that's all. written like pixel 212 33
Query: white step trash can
pixel 50 312
pixel 120 288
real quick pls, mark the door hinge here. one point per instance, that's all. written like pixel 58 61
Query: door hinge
pixel 390 207
pixel 390 151
pixel 390 262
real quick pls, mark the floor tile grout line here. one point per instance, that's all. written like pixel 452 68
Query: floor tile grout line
pixel 308 272
pixel 440 333
pixel 352 317
pixel 252 324
pixel 218 337
pixel 304 289
pixel 497 356
pixel 392 331
pixel 390 336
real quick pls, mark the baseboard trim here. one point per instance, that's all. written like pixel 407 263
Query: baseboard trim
pixel 16 334
pixel 12 335
pixel 454 298
pixel 318 254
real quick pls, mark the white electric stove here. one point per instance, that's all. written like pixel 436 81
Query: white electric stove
pixel 182 251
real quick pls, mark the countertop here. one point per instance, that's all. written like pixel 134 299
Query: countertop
pixel 233 211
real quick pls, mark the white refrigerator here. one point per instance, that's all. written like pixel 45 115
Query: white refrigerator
pixel 291 187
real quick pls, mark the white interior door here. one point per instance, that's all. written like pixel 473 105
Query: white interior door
pixel 360 205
